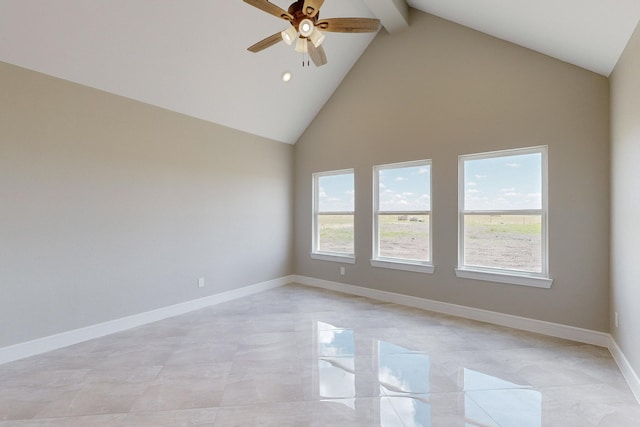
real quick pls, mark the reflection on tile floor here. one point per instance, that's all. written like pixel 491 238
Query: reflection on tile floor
pixel 298 356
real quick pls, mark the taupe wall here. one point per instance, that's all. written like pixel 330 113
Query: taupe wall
pixel 625 200
pixel 439 90
pixel 110 207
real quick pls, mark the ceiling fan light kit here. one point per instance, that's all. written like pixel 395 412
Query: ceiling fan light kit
pixel 306 27
pixel 316 37
pixel 289 35
pixel 301 45
pixel 303 15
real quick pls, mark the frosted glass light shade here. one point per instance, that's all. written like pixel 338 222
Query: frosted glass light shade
pixel 301 45
pixel 289 35
pixel 316 37
pixel 306 27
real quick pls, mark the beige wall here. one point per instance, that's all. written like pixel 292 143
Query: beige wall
pixel 110 207
pixel 439 90
pixel 625 200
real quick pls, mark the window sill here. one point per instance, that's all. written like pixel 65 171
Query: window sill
pixel 345 259
pixel 512 279
pixel 403 265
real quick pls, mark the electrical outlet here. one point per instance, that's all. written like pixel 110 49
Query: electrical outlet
pixel 615 319
pixel 342 271
pixel 201 282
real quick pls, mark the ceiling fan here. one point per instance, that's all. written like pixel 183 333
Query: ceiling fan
pixel 305 26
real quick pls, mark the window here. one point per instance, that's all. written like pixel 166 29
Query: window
pixel 402 216
pixel 503 217
pixel 333 218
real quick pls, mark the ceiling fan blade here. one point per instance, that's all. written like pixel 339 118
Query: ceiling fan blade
pixel 265 43
pixel 270 8
pixel 349 25
pixel 312 7
pixel 317 54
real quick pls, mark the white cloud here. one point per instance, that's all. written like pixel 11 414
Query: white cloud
pixel 513 165
pixel 469 199
pixel 402 201
pixel 471 184
pixel 401 178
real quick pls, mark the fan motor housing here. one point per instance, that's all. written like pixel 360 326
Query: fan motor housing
pixel 296 10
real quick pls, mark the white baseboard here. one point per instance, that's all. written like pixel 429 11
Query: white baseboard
pixel 587 336
pixel 627 371
pixel 53 342
pixel 64 339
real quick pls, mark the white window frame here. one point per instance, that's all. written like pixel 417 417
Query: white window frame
pixel 516 277
pixel 400 263
pixel 342 257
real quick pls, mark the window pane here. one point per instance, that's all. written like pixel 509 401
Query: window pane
pixel 404 236
pixel 503 183
pixel 335 233
pixel 335 193
pixel 404 189
pixel 510 242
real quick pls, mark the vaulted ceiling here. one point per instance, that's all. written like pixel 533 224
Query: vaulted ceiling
pixel 190 56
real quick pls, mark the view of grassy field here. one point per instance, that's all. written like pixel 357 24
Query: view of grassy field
pixel 336 233
pixel 503 241
pixel 405 237
pixel 496 241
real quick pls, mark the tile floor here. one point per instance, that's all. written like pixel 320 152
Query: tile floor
pixel 298 356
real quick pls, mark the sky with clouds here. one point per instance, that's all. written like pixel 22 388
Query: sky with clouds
pixel 498 183
pixel 501 183
pixel 336 193
pixel 405 189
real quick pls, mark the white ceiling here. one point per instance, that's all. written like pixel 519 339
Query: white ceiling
pixel 190 56
pixel 588 33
